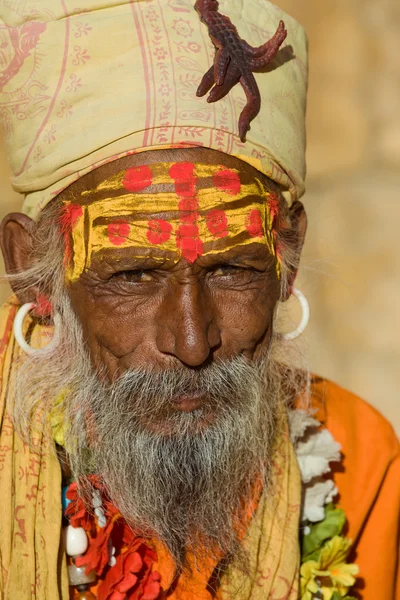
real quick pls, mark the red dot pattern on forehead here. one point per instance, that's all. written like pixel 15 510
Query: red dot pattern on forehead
pixel 118 232
pixel 137 179
pixel 227 181
pixel 159 231
pixel 192 247
pixel 182 171
pixel 217 223
pixel 189 205
pixel 185 180
pixel 254 223
pixel 188 236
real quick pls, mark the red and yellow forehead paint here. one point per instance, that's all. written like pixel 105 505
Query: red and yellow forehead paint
pixel 209 203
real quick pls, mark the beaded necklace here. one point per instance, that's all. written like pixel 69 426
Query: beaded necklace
pixel 100 544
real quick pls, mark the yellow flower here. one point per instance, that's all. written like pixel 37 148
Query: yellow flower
pixel 333 560
pixel 309 587
pixel 330 574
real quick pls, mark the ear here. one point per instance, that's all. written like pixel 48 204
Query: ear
pixel 16 244
pixel 298 219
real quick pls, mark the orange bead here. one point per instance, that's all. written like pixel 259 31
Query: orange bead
pixel 85 596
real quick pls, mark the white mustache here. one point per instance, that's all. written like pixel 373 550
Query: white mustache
pixel 151 392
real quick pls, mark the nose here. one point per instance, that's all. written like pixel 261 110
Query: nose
pixel 187 328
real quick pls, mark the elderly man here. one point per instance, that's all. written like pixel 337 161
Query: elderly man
pixel 155 443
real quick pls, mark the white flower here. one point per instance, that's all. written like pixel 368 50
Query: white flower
pixel 315 449
pixel 315 454
pixel 316 496
pixel 299 422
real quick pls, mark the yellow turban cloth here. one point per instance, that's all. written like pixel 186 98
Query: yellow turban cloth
pixel 80 87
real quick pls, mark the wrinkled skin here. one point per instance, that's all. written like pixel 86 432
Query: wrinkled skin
pixel 164 316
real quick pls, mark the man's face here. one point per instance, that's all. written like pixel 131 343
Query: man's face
pixel 161 303
pixel 172 274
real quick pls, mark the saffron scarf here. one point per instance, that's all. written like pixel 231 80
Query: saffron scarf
pixel 32 564
pixel 32 558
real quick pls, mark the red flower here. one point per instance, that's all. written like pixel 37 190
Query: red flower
pixel 131 576
pixel 76 511
pixel 152 587
pixel 97 555
pixel 122 577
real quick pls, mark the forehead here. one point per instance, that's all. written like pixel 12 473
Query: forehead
pixel 195 155
pixel 182 208
pixel 170 187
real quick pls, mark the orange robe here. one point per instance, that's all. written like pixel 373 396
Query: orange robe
pixel 369 485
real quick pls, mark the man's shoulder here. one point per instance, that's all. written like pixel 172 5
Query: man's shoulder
pixel 370 454
pixel 367 479
pixel 352 421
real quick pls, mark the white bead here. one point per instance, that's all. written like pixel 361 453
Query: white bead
pixel 76 541
pixel 77 575
pixel 102 521
pixel 101 518
pixel 97 503
pixel 113 561
pixel 99 512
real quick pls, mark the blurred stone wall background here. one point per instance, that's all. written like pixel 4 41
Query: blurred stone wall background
pixel 351 267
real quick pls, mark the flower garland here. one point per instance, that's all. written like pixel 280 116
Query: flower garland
pixel 324 572
pixel 122 559
pixel 125 561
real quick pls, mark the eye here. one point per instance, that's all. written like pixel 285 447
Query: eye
pixel 138 276
pixel 223 270
pixel 233 276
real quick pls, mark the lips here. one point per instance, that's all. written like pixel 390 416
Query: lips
pixel 188 402
pixel 183 403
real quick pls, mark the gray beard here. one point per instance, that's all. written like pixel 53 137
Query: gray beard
pixel 179 476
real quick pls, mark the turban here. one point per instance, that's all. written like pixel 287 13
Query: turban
pixel 81 87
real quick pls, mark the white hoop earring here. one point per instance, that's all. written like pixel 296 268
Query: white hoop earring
pixel 305 317
pixel 19 336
